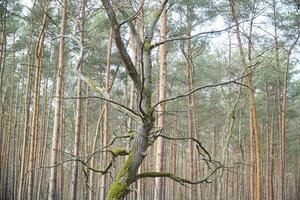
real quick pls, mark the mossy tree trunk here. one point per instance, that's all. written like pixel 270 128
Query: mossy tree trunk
pixel 143 84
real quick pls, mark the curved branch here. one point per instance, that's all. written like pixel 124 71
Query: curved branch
pixel 187 138
pixel 105 99
pixel 114 152
pixel 176 178
pixel 89 156
pixel 133 17
pixel 131 25
pixel 49 166
pixel 105 171
pixel 201 88
pixel 193 36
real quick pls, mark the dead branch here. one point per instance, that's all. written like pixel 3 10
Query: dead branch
pixel 105 99
pixel 187 138
pixel 176 178
pixel 201 88
pixel 193 36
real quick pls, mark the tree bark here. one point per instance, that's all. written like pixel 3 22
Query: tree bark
pixel 159 158
pixel 38 65
pixel 43 142
pixel 78 108
pixel 105 138
pixel 26 122
pixel 129 168
pixel 57 112
pixel 253 118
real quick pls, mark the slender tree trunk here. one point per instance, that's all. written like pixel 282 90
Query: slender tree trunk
pixel 25 129
pixel 57 112
pixel 174 160
pixel 141 184
pixel 38 65
pixel 95 141
pixel 3 41
pixel 191 105
pixel 43 140
pixel 78 109
pixel 281 190
pixel 105 117
pixel 86 140
pixel 62 149
pixel 15 132
pixel 159 165
pixel 26 110
pixel 253 118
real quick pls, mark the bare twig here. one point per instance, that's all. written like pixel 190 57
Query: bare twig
pixel 187 138
pixel 105 99
pixel 133 17
pixel 193 36
pixel 201 88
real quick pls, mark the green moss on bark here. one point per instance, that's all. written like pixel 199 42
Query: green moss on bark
pixel 120 186
pixel 147 45
pixel 119 152
pixel 118 190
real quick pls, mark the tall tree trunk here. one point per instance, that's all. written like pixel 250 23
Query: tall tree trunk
pixel 253 118
pixel 25 129
pixel 43 141
pixel 93 159
pixel 78 109
pixel 174 159
pixel 283 121
pixel 62 149
pixel 95 141
pixel 159 164
pixel 26 110
pixel 188 53
pixel 57 112
pixel 105 138
pixel 281 190
pixel 141 184
pixel 3 41
pixel 38 65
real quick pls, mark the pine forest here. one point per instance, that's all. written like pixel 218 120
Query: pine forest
pixel 150 99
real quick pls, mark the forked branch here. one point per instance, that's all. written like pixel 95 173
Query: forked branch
pixel 187 138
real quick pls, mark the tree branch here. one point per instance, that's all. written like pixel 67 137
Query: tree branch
pixel 200 88
pixel 156 17
pixel 187 138
pixel 105 99
pixel 193 36
pixel 176 178
pixel 130 68
pixel 89 156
